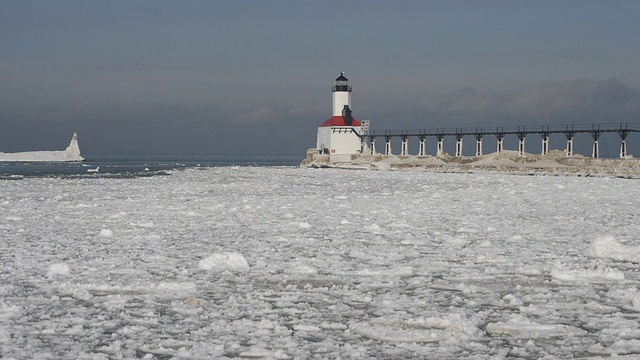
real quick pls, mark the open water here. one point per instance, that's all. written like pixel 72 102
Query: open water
pixel 118 166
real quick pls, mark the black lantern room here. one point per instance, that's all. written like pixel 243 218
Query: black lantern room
pixel 341 84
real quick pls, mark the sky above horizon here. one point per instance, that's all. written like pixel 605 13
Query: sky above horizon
pixel 254 77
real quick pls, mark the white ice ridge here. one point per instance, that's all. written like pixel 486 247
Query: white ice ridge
pixel 608 247
pixel 71 153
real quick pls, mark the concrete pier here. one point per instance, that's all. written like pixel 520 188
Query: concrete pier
pixel 545 143
pixel 423 149
pixel 595 134
pixel 459 145
pixel 404 149
pixel 521 138
pixel 479 144
pixel 439 150
pixel 500 145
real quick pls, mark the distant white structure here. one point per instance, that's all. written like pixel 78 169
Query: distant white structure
pixel 71 153
pixel 338 136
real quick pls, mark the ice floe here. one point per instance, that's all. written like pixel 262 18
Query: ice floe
pixel 59 269
pixel 214 264
pixel 524 329
pixel 608 247
pixel 604 274
pixel 231 261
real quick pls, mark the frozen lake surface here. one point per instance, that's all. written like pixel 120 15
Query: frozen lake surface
pixel 257 262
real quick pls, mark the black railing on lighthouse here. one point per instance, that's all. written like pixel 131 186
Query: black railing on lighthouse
pixel 479 133
pixel 335 88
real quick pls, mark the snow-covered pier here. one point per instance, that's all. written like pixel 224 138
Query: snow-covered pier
pixel 368 137
pixel 70 154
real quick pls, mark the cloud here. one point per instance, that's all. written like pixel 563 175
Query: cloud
pixel 584 100
pixel 135 128
pixel 272 113
pixel 277 128
pixel 582 97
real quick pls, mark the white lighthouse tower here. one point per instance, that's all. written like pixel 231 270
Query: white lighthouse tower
pixel 341 94
pixel 338 136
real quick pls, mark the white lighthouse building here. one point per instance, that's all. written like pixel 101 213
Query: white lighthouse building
pixel 338 136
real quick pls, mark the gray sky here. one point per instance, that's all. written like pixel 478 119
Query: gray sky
pixel 254 77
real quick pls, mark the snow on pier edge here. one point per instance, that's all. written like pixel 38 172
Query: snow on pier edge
pixel 508 162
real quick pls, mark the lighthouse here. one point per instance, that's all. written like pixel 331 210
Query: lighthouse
pixel 339 135
pixel 341 92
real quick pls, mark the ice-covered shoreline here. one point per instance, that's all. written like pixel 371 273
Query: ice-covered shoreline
pixel 507 162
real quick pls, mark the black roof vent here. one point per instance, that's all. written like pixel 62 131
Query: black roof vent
pixel 346 115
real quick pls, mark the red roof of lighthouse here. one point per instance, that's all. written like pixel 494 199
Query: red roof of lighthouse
pixel 338 121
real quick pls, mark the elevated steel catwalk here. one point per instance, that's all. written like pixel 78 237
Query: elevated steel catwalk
pixel 545 131
pixel 510 130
